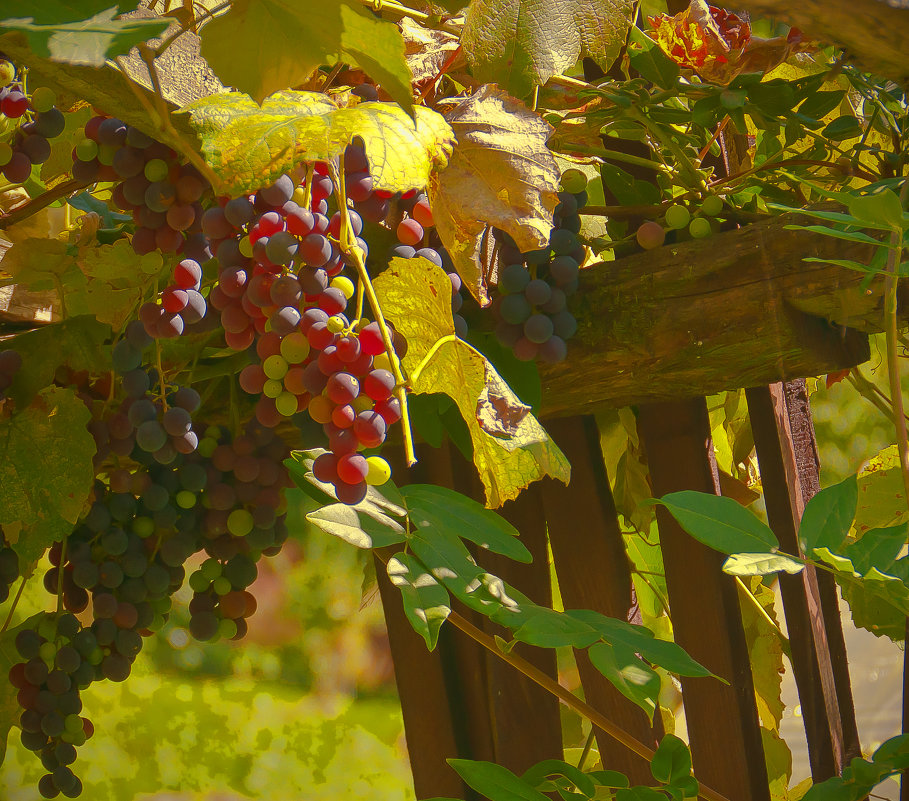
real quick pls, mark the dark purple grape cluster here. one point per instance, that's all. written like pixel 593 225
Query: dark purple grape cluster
pixel 10 364
pixel 58 657
pixel 163 195
pixel 533 288
pixel 182 303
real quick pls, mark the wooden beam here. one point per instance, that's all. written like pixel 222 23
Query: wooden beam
pixel 739 309
pixel 874 33
pixel 722 718
pixel 593 572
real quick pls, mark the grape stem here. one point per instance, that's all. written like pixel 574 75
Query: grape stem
pixel 60 571
pixel 350 248
pixel 415 373
pixel 12 609
pixel 35 204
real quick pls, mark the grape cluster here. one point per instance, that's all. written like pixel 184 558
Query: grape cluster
pixel 33 121
pixel 651 234
pixel 58 662
pixel 533 288
pixel 163 196
pixel 10 364
pixel 182 303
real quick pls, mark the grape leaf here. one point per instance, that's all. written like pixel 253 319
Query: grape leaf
pixel 263 46
pixel 77 342
pixel 518 44
pixel 501 174
pixel 82 31
pixel 46 470
pixel 881 501
pixel 249 146
pixel 426 602
pixel 632 677
pixel 416 296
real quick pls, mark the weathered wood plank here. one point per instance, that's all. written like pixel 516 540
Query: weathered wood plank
pixel 811 658
pixel 722 719
pixel 593 572
pixel 739 309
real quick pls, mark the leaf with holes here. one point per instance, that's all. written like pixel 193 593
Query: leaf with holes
pixel 519 44
pixel 263 46
pixel 46 470
pixel 501 174
pixel 416 296
pixel 249 146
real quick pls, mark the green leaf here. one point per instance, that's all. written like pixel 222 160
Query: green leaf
pixel 538 773
pixel 609 778
pixel 836 233
pixel 845 127
pixel 249 146
pixel 635 679
pixel 510 448
pixel 849 264
pixel 719 522
pixel 648 58
pixel 501 174
pixel 263 46
pixel 46 471
pixel 831 216
pixel 426 602
pixel 495 782
pixel 641 640
pixel 80 31
pixel 881 495
pixel 639 794
pixel 878 547
pixel 442 508
pixel 761 564
pixel 343 521
pixel 519 44
pixel 548 628
pixel 881 207
pixel 672 760
pixel 828 516
pixel 820 104
pixel 77 342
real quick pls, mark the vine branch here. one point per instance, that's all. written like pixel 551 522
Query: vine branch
pixel 42 201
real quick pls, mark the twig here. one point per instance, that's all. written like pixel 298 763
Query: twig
pixel 42 201
pixel 12 609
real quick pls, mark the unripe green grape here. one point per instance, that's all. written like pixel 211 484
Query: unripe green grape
pixel 699 227
pixel 7 73
pixel 378 471
pixel 143 527
pixel 711 205
pixel 275 367
pixel 106 154
pixel 47 651
pixel 198 582
pixel 221 586
pixel 650 235
pixel 336 324
pixel 286 404
pixel 574 181
pixel 246 248
pixel 240 522
pixel 207 447
pixel 86 150
pixel 186 499
pixel 156 170
pixel 211 569
pixel 73 724
pixel 677 217
pixel 227 629
pixel 6 153
pixel 295 347
pixel 346 286
pixel 43 99
pixel 272 388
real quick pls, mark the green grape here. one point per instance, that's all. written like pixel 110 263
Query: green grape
pixel 378 471
pixel 677 217
pixel 272 388
pixel 198 582
pixel 211 569
pixel 221 586
pixel 240 522
pixel 106 154
pixel 73 724
pixel 295 347
pixel 574 181
pixel 156 170
pixel 343 283
pixel 336 324
pixel 6 153
pixel 43 99
pixel 275 367
pixel 286 404
pixel 7 73
pixel 86 150
pixel 699 227
pixel 227 629
pixel 246 248
pixel 711 205
pixel 207 446
pixel 47 651
pixel 186 499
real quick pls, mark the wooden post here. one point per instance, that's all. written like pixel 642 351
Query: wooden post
pixel 722 719
pixel 811 659
pixel 593 572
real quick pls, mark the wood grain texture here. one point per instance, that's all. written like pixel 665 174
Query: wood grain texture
pixel 594 573
pixel 722 718
pixel 873 33
pixel 739 309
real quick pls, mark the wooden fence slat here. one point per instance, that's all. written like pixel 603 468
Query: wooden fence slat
pixel 525 721
pixel 722 719
pixel 810 653
pixel 593 572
